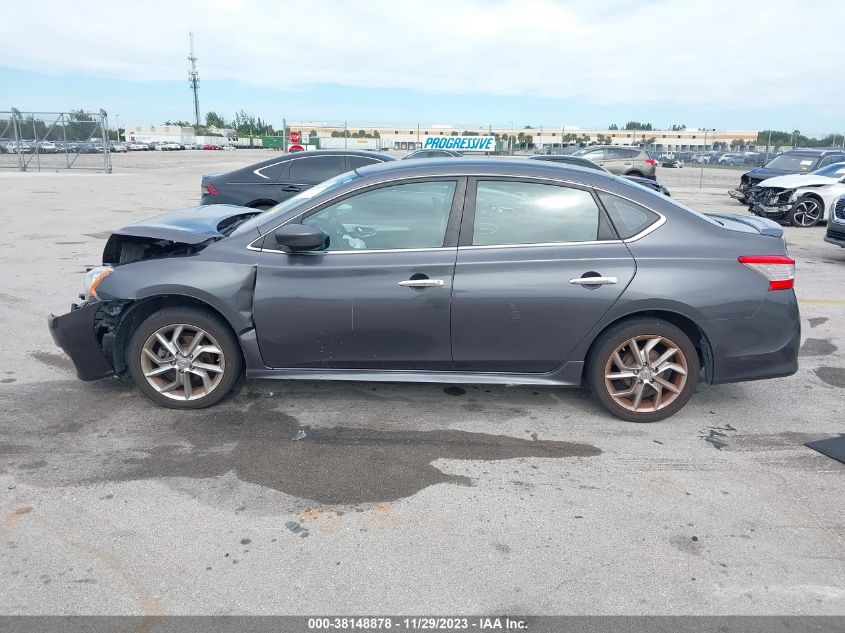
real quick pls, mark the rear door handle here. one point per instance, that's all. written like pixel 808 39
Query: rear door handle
pixel 593 281
pixel 422 283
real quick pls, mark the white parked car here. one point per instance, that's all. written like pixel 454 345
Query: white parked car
pixel 800 199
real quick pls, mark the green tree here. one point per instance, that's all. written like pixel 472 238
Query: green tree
pixel 613 126
pixel 212 119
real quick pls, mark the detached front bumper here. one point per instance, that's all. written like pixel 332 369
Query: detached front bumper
pixel 775 211
pixel 76 333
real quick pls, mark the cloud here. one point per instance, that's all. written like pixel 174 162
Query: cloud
pixel 746 55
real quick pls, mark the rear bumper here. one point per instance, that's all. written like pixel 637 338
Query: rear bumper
pixel 764 345
pixel 75 333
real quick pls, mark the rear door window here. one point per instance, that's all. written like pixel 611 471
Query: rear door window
pixel 513 212
pixel 314 169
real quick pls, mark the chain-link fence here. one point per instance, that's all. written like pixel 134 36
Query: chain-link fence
pixel 36 141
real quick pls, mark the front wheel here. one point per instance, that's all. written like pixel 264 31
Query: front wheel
pixel 643 370
pixel 807 212
pixel 184 358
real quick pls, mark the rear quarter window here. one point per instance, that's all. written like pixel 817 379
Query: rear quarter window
pixel 628 218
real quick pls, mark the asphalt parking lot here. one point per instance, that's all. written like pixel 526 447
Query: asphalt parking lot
pixel 399 498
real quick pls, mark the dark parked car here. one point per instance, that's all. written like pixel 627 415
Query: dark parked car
pixel 433 153
pixel 798 161
pixel 621 160
pixel 267 183
pixel 569 159
pixel 450 271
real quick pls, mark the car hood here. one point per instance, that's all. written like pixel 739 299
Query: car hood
pixel 794 181
pixel 193 225
pixel 762 173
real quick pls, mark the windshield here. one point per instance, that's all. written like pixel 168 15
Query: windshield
pixel 800 163
pixel 295 201
pixel 836 170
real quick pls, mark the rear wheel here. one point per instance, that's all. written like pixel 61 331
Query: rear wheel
pixel 807 212
pixel 184 358
pixel 643 370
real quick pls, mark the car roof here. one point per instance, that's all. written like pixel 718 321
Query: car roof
pixel 280 158
pixel 812 151
pixel 496 167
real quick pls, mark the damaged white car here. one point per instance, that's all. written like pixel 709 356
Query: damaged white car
pixel 801 200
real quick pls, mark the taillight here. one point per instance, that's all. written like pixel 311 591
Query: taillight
pixel 207 188
pixel 651 161
pixel 778 269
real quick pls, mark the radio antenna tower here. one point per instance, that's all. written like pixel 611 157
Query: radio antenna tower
pixel 194 80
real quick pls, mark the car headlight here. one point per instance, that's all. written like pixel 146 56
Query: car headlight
pixel 92 279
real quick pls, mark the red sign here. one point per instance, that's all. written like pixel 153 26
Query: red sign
pixel 295 137
pixel 296 148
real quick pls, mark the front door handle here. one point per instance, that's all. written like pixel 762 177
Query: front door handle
pixel 594 281
pixel 422 283
pixel 292 189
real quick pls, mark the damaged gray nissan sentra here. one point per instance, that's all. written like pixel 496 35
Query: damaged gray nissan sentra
pixel 451 271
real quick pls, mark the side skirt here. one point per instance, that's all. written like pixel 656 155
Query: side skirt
pixel 567 375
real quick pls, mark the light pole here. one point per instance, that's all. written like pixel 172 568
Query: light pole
pixel 701 174
pixel 117 123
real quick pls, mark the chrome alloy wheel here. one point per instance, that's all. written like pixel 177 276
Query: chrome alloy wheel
pixel 807 212
pixel 646 373
pixel 182 362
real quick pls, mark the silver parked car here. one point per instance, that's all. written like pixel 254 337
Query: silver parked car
pixel 621 160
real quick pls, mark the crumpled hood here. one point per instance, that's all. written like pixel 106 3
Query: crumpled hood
pixel 795 181
pixel 188 226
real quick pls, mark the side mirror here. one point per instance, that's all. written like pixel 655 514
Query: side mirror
pixel 300 237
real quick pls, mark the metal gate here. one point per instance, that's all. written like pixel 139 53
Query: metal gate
pixel 46 141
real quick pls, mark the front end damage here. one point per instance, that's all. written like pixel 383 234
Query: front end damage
pixel 744 190
pixel 95 331
pixel 775 203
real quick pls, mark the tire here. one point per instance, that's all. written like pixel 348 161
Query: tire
pixel 806 212
pixel 682 373
pixel 161 380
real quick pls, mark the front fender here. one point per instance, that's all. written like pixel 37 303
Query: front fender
pixel 225 286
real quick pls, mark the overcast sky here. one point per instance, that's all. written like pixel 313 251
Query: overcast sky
pixel 715 63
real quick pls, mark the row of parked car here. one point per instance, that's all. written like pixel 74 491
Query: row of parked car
pixel 167 146
pixel 10 146
pixel 799 187
pixel 731 159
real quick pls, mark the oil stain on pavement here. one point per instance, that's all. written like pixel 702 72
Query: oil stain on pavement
pixel 833 376
pixel 265 446
pixel 817 347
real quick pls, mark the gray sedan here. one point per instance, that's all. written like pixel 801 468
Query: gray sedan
pixel 449 271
